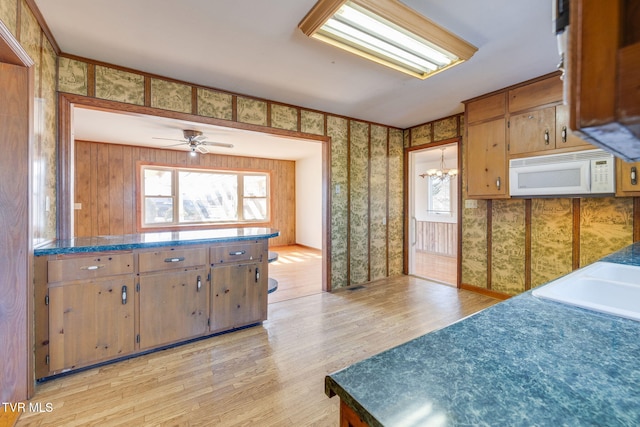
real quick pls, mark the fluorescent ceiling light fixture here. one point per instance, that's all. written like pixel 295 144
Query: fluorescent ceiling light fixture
pixel 387 32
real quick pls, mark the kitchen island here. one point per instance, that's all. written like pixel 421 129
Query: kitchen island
pixel 522 362
pixel 100 299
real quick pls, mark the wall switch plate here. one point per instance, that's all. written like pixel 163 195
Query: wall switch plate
pixel 77 206
pixel 337 188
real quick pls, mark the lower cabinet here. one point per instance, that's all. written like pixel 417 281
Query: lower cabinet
pixel 174 307
pixel 90 322
pixel 92 308
pixel 239 295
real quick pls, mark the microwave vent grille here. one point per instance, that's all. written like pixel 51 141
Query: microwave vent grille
pixel 560 158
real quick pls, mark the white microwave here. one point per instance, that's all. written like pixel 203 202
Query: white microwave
pixel 590 172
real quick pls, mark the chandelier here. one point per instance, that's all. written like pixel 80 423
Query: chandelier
pixel 442 173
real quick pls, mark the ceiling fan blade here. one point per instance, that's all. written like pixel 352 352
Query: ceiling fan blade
pixel 201 149
pixel 217 144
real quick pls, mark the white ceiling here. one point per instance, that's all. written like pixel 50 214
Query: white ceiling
pixel 254 47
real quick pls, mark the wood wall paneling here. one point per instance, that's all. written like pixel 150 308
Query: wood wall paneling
pixel 106 183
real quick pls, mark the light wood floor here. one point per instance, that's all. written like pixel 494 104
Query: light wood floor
pixel 267 375
pixel 298 271
pixel 432 266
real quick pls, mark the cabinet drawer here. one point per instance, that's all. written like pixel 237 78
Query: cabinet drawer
pixel 89 267
pixel 237 253
pixel 486 108
pixel 171 258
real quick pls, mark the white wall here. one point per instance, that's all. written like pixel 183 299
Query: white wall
pixel 309 200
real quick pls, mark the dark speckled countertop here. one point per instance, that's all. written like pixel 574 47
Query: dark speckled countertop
pixel 522 362
pixel 151 240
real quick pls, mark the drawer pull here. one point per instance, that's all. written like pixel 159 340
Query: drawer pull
pixel 92 267
pixel 257 274
pixel 124 295
pixel 199 284
pixel 237 253
pixel 174 259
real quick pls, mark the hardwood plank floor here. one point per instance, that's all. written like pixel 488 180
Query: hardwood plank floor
pixel 298 271
pixel 441 268
pixel 267 375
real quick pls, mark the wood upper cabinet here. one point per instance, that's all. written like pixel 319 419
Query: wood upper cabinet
pixel 603 74
pixel 174 306
pixel 90 321
pixel 627 178
pixel 487 160
pixel 532 131
pixel 238 295
pixel 542 130
pixel 486 168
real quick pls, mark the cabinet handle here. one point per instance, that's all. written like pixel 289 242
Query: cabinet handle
pixel 564 134
pixel 546 137
pixel 92 267
pixel 498 183
pixel 634 176
pixel 237 253
pixel 124 295
pixel 257 274
pixel 199 284
pixel 174 259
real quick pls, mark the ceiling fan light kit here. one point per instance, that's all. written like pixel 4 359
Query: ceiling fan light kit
pixel 387 32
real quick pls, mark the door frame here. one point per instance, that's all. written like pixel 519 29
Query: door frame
pixel 407 218
pixel 66 104
pixel 18 355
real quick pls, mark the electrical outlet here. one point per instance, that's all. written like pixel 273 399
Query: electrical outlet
pixel 471 204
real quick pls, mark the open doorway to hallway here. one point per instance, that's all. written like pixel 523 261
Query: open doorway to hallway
pixel 433 206
pixel 298 270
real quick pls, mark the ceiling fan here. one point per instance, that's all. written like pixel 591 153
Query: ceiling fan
pixel 196 141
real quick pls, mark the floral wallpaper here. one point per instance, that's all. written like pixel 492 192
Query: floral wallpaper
pixel 395 223
pixel 215 104
pixel 551 239
pixel 170 96
pixel 118 85
pixel 72 76
pixel 284 117
pixel 8 15
pixel 445 129
pixel 252 111
pixel 312 122
pixel 378 203
pixel 337 129
pixel 358 208
pixel 508 249
pixel 606 225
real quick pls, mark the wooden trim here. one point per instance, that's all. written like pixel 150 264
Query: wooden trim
pixel 348 203
pixel 11 52
pixel 386 213
pixel 66 173
pixel 194 100
pixel 483 291
pixel 489 240
pixel 326 211
pixel 91 80
pixel 527 244
pixel 460 210
pixel 405 208
pixel 318 15
pixel 636 219
pixel 575 259
pixel 368 202
pixel 517 85
pixel 147 91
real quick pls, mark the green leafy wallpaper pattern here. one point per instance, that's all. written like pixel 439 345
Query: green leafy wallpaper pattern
pixel 215 104
pixel 358 208
pixel 118 85
pixel 337 129
pixel 378 203
pixel 284 117
pixel 170 96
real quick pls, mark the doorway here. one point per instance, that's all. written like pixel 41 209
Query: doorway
pixel 433 186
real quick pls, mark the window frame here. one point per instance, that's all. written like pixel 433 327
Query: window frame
pixel 176 224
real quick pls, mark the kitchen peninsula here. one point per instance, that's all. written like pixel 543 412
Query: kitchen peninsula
pixel 99 299
pixel 523 362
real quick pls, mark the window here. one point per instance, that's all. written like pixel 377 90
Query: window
pixel 184 196
pixel 440 195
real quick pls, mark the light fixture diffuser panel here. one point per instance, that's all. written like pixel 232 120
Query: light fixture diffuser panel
pixel 385 32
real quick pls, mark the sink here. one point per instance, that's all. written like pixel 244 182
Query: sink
pixel 602 286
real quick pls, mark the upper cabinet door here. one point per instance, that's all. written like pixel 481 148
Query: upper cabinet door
pixel 532 131
pixel 487 160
